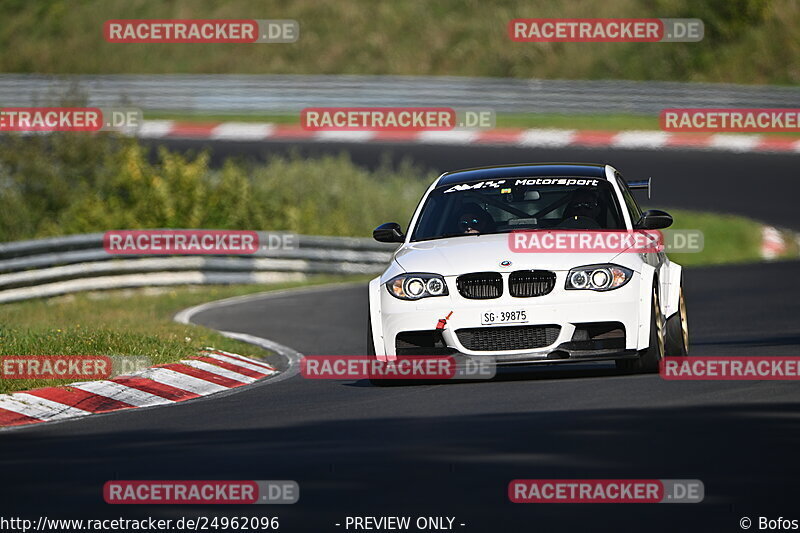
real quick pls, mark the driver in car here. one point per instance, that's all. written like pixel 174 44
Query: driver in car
pixel 584 204
pixel 473 219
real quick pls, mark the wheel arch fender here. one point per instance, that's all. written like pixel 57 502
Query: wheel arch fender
pixel 647 277
pixel 375 318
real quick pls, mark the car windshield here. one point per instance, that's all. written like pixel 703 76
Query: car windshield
pixel 483 207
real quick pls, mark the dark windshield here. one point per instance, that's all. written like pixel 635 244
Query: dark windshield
pixel 502 206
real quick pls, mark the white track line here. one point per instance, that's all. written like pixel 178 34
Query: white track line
pixel 292 356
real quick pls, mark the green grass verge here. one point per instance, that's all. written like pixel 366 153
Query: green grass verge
pixel 727 238
pixel 745 41
pixel 121 322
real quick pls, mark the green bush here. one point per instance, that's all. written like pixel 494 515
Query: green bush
pixel 67 183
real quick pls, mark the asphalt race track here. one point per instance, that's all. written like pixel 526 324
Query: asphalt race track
pixel 451 450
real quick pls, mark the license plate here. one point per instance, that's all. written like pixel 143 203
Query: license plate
pixel 504 317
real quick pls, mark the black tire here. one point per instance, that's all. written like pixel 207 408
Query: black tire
pixel 648 361
pixel 677 330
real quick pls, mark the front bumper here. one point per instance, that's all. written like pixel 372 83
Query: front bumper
pixel 583 325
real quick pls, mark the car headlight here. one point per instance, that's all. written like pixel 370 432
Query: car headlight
pixel 416 286
pixel 598 277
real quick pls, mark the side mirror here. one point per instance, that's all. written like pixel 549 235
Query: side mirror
pixel 390 232
pixel 654 219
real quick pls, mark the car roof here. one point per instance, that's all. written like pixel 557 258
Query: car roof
pixel 589 170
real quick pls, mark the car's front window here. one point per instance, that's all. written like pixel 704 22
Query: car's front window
pixel 520 203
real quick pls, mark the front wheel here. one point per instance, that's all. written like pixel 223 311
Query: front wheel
pixel 677 342
pixel 648 361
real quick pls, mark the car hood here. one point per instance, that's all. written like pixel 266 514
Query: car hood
pixel 477 253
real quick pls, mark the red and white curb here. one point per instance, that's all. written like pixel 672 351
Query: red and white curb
pixel 534 138
pixel 210 372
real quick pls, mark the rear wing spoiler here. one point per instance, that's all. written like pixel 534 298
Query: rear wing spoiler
pixel 640 184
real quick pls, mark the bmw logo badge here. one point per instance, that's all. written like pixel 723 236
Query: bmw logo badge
pixel 505 263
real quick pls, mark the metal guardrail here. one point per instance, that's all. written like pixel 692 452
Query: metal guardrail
pixel 55 266
pixel 291 93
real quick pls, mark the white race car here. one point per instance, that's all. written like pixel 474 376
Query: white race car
pixel 456 286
